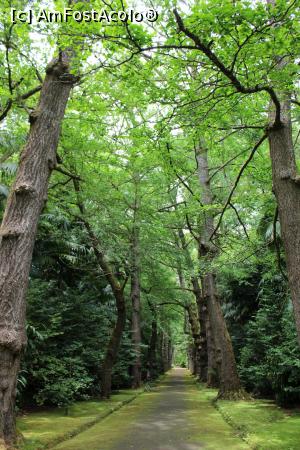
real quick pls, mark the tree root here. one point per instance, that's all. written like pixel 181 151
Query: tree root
pixel 236 394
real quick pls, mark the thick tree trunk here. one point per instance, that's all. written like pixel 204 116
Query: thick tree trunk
pixel 286 187
pixel 230 386
pixel 191 358
pixel 136 308
pixel 18 230
pixel 228 376
pixel 212 364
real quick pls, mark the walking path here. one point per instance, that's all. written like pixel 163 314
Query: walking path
pixel 174 416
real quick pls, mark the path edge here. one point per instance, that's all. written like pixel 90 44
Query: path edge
pixel 242 431
pixel 89 424
pixel 146 387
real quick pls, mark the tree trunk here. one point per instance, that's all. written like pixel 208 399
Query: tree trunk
pixel 166 343
pixel 230 386
pixel 202 314
pixel 116 336
pixel 118 292
pixel 229 379
pixel 152 359
pixel 136 306
pixel 202 309
pixel 195 330
pixel 18 230
pixel 212 364
pixel 160 340
pixel 286 187
pixel 113 346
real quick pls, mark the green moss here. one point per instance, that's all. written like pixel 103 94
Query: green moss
pixel 262 424
pixel 208 426
pixel 111 429
pixel 40 429
pixel 204 425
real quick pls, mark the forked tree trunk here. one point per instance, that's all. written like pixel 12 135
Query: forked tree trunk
pixel 230 386
pixel 18 230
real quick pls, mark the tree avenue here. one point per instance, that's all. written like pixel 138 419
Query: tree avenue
pixel 150 203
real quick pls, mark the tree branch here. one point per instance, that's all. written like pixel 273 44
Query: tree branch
pixel 257 145
pixel 239 219
pixel 229 73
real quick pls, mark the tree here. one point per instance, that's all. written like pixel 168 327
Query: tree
pixel 279 132
pixel 18 229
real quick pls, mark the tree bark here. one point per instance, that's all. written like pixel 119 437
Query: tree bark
pixel 286 187
pixel 136 309
pixel 202 315
pixel 18 230
pixel 195 330
pixel 230 386
pixel 213 370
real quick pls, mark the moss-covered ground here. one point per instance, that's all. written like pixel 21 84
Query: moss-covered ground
pixel 42 429
pixel 262 424
pixel 177 415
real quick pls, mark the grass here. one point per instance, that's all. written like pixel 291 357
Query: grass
pixel 43 429
pixel 209 426
pixel 204 425
pixel 262 424
pixel 215 425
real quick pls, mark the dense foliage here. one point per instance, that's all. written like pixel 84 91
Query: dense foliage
pixel 127 182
